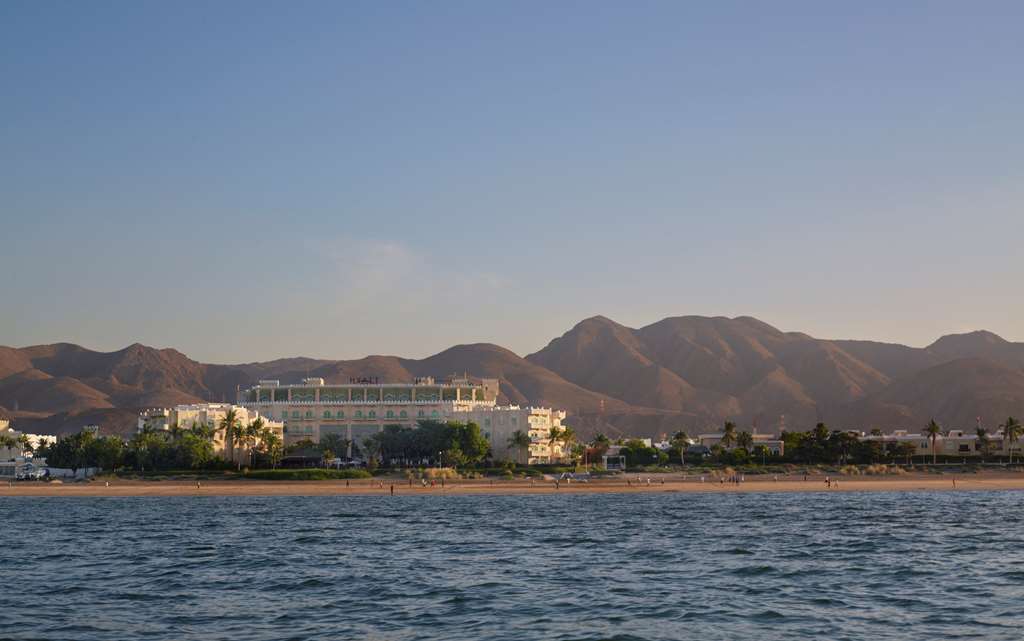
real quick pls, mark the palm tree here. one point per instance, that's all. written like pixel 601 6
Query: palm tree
pixel 933 430
pixel 270 443
pixel 8 442
pixel 983 442
pixel 24 443
pixel 230 425
pixel 553 437
pixel 519 441
pixel 251 435
pixel 568 437
pixel 745 440
pixel 728 435
pixel 1012 430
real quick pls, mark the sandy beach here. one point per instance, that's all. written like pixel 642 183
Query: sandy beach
pixel 383 487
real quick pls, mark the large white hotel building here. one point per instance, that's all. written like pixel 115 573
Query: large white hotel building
pixel 313 409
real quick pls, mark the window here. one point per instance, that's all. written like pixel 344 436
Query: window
pixel 295 414
pixel 404 414
pixel 359 413
pixel 434 414
pixel 341 414
pixel 327 414
pixel 487 422
pixel 309 414
pixel 965 448
pixel 372 414
pixel 391 414
pixel 421 414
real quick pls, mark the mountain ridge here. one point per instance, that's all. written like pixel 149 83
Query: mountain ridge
pixel 681 372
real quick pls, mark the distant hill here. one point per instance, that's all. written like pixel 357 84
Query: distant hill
pixel 687 372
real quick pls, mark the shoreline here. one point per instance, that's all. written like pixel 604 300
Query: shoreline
pixel 485 487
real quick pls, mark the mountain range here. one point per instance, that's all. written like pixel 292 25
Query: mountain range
pixel 688 372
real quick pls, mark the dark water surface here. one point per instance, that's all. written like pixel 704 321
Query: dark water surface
pixel 613 566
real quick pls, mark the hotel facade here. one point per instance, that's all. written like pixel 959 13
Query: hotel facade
pixel 361 408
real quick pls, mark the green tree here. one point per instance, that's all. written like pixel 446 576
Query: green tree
pixel 745 441
pixel 1012 430
pixel 520 442
pixel 568 439
pixel 554 437
pixel 335 443
pixel 728 435
pixel 8 442
pixel 982 442
pixel 933 431
pixel 272 447
pixel 249 435
pixel 230 425
pixel 106 453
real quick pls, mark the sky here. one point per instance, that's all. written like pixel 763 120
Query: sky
pixel 250 180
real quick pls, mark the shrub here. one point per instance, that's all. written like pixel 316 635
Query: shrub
pixel 310 474
pixel 439 473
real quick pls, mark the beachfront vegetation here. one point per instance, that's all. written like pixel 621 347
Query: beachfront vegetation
pixel 172 449
pixel 448 444
pixel 1013 430
pixel 306 474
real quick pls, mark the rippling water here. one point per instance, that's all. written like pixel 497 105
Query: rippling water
pixel 613 566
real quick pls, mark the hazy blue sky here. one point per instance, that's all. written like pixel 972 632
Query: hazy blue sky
pixel 250 180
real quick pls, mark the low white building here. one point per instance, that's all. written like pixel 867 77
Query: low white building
pixel 773 444
pixel 950 443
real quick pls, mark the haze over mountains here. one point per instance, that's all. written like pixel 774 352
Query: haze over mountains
pixel 685 372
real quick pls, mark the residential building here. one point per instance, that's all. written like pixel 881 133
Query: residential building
pixel 211 414
pixel 499 422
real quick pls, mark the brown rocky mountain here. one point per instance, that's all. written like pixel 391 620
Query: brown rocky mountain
pixel 684 372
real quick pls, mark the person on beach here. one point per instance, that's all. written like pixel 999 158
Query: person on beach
pixel 392 489
pixel 702 479
pixel 954 482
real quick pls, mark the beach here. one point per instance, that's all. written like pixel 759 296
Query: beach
pixel 630 484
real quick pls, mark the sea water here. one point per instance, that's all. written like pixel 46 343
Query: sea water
pixel 913 565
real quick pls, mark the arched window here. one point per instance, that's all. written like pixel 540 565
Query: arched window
pixel 391 414
pixel 341 414
pixel 435 414
pixel 309 414
pixel 404 414
pixel 295 414
pixel 359 413
pixel 372 414
pixel 327 414
pixel 421 414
